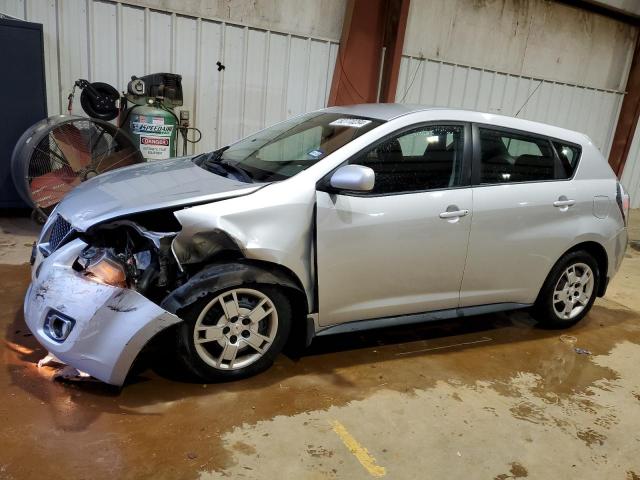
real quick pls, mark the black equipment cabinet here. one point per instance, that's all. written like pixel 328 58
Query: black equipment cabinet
pixel 23 96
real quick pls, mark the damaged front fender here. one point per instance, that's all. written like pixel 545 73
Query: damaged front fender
pixel 225 275
pixel 273 225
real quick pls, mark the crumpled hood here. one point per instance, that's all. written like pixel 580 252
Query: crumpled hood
pixel 147 186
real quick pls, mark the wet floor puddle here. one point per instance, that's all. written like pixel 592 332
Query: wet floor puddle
pixel 497 372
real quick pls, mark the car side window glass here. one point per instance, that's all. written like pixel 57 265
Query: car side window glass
pixel 426 158
pixel 568 158
pixel 511 157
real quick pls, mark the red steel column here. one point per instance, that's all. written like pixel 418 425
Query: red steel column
pixel 628 118
pixel 369 25
pixel 398 12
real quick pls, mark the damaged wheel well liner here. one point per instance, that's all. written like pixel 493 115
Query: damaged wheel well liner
pixel 219 276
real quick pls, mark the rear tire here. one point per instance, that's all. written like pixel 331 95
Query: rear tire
pixel 233 333
pixel 568 292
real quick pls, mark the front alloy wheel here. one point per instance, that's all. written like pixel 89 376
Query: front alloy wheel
pixel 234 333
pixel 235 329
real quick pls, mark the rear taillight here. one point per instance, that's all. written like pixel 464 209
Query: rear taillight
pixel 623 201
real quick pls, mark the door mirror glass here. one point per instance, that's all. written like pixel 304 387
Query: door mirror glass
pixel 353 177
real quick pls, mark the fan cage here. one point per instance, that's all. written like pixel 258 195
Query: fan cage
pixel 66 152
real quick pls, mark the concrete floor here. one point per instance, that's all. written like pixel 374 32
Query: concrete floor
pixel 485 397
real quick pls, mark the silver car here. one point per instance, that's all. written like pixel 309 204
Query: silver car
pixel 343 219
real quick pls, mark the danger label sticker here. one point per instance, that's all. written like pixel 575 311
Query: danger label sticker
pixel 155 148
pixel 154 141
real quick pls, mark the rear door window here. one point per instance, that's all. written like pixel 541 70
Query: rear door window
pixel 508 157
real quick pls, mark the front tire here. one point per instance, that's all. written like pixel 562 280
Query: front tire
pixel 234 333
pixel 569 291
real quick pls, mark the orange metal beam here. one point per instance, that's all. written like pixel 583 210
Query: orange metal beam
pixel 369 25
pixel 628 119
pixel 398 11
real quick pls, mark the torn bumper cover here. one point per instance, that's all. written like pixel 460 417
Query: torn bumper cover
pixel 96 328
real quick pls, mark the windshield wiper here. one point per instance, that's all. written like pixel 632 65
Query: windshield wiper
pixel 210 156
pixel 240 173
pixel 213 162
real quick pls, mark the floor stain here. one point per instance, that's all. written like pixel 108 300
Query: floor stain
pixel 318 451
pixel 243 448
pixel 516 471
pixel 477 404
pixel 590 437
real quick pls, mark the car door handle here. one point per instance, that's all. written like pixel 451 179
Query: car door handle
pixel 564 203
pixel 454 214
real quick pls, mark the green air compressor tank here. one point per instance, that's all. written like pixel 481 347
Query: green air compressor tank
pixel 154 129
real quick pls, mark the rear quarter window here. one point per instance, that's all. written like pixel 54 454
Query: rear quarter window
pixel 568 156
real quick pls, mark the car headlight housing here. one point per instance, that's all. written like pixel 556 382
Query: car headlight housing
pixel 103 266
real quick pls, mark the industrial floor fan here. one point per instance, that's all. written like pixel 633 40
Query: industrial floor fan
pixel 57 153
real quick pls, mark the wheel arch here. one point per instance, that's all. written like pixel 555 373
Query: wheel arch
pixel 598 252
pixel 221 275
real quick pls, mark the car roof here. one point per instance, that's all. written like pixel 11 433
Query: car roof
pixel 390 111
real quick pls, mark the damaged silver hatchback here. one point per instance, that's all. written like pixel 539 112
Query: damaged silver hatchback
pixel 339 220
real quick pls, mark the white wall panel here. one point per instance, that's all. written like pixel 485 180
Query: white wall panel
pixel 255 80
pixel 308 18
pixel 186 61
pixel 443 84
pixel 533 38
pixel 209 81
pixel 298 72
pixel 277 75
pixel 232 79
pixel 158 43
pixel 131 40
pixel 269 75
pixel 73 48
pixel 13 8
pixel 103 42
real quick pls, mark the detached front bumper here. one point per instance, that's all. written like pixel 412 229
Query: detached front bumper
pixel 105 327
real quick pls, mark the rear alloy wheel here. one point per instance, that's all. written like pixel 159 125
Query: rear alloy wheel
pixel 569 291
pixel 573 291
pixel 234 333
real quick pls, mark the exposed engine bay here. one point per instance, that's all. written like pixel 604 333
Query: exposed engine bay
pixel 125 253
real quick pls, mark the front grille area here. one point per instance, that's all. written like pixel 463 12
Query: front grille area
pixel 60 230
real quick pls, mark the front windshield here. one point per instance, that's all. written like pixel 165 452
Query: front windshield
pixel 285 149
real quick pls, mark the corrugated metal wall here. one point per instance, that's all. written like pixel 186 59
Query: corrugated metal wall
pixel 444 84
pixel 491 56
pixel 269 76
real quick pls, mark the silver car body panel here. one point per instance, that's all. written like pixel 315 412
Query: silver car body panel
pixel 517 235
pixel 146 186
pixel 383 256
pixel 274 225
pixel 415 258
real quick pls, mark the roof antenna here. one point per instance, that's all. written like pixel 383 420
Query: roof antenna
pixel 528 98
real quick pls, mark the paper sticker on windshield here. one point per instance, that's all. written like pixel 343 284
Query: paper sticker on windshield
pixel 350 122
pixel 315 153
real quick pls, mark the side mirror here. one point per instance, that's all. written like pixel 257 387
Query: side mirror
pixel 353 177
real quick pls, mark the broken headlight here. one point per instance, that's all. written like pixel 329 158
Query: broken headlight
pixel 101 265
